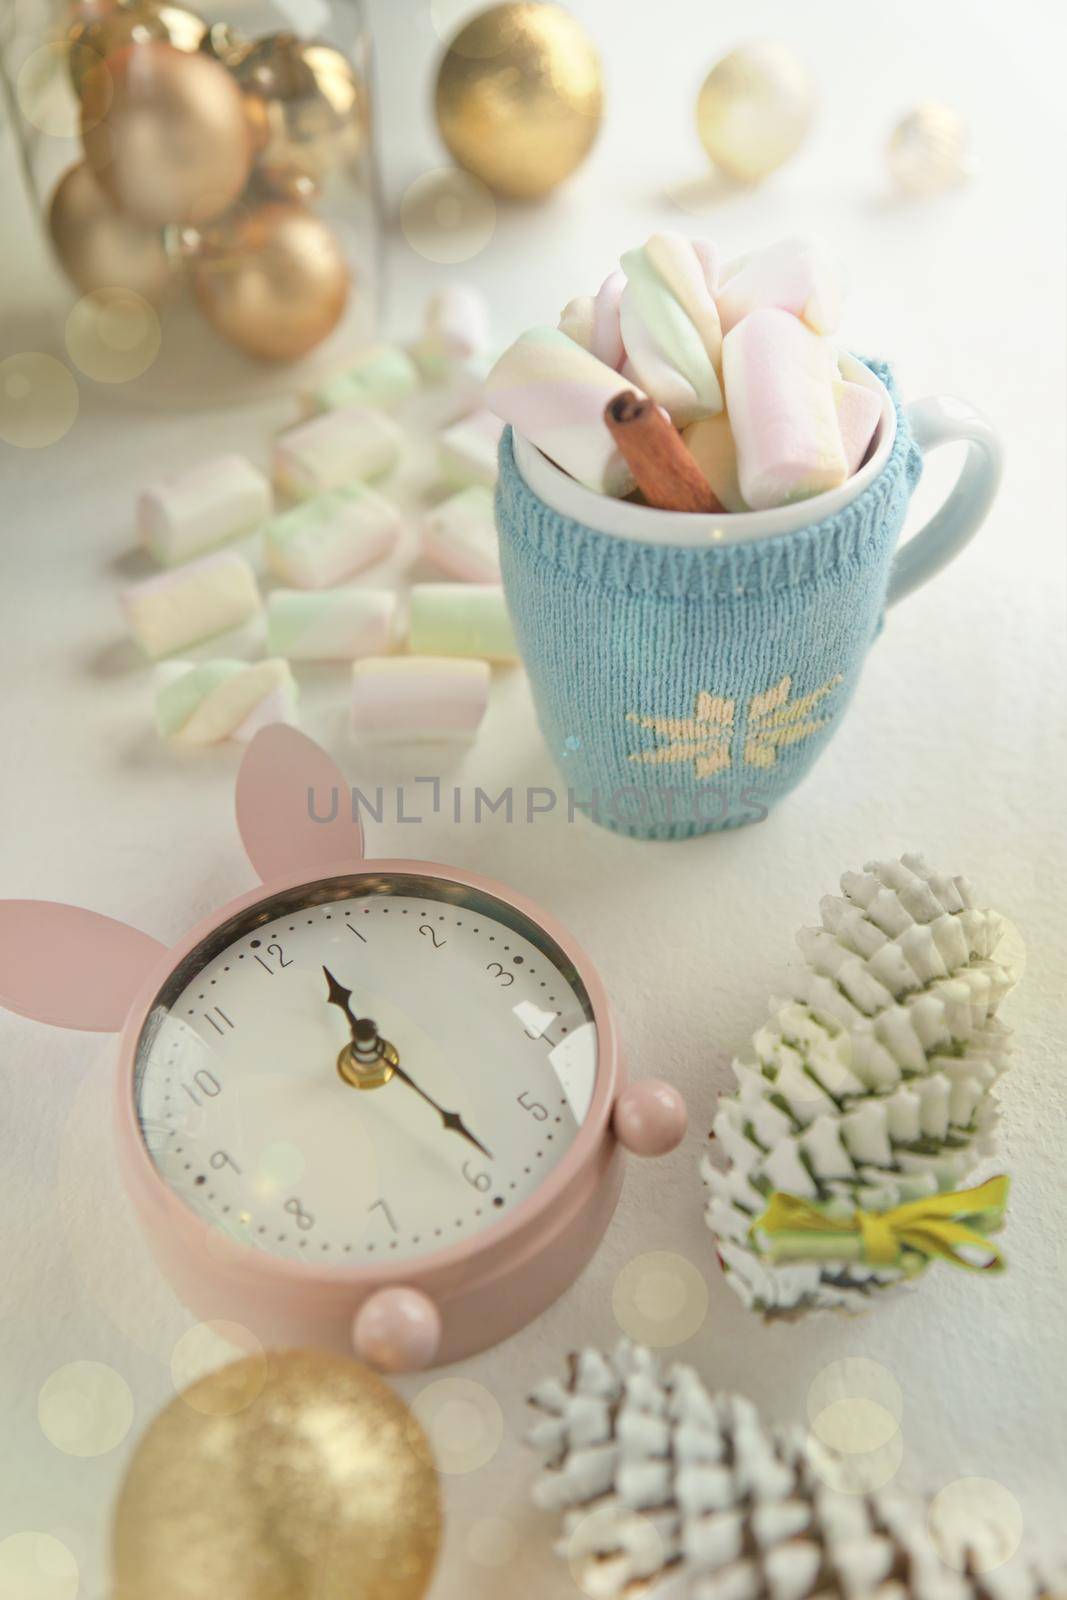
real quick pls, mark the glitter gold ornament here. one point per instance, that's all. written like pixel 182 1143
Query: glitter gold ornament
pixel 104 27
pixel 928 149
pixel 519 97
pixel 166 133
pixel 308 112
pixel 755 109
pixel 99 247
pixel 298 1477
pixel 274 282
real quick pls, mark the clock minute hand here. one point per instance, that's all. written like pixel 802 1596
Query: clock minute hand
pixel 451 1119
pixel 339 996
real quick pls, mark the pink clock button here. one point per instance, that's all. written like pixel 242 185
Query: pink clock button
pixel 397 1330
pixel 650 1118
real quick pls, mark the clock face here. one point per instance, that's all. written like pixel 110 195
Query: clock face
pixel 411 1115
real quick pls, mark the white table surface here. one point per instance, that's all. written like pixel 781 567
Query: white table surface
pixel 953 746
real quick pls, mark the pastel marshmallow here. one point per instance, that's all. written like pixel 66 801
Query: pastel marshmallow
pixel 593 321
pixel 331 624
pixel 554 393
pixel 418 697
pixel 461 619
pixel 460 537
pixel 206 701
pixel 206 504
pixel 384 375
pixel 456 330
pixel 711 444
pixel 670 324
pixel 780 394
pixel 191 603
pixel 795 275
pixel 353 444
pixel 467 450
pixel 858 412
pixel 332 537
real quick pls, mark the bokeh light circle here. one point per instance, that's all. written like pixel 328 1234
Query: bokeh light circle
pixel 463 1424
pixel 38 400
pixel 660 1299
pixel 975 1523
pixel 447 215
pixel 85 1408
pixel 113 335
pixel 36 1566
pixel 205 1348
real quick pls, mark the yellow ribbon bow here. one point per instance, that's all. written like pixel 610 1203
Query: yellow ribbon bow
pixel 931 1227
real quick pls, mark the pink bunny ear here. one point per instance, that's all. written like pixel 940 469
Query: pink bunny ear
pixel 294 807
pixel 71 967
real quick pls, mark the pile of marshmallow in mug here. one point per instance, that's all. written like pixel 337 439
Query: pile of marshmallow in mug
pixel 740 358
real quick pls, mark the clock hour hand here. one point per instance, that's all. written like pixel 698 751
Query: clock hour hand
pixel 365 1037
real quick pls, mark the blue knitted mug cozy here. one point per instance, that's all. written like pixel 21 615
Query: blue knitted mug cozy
pixel 683 690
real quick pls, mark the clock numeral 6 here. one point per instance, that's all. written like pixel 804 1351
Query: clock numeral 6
pixel 477 1180
pixel 534 1107
pixel 220 1159
pixel 503 978
pixel 304 1220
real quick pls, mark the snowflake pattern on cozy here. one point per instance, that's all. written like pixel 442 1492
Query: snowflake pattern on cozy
pixel 773 721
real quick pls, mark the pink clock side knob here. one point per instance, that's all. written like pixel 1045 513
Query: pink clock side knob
pixel 650 1118
pixel 397 1330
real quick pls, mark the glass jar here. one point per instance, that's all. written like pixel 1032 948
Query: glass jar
pixel 207 183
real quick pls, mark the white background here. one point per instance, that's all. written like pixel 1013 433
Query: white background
pixel 953 745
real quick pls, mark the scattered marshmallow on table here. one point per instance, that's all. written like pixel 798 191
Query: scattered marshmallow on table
pixel 324 540
pixel 592 320
pixel 384 375
pixel 204 505
pixel 340 447
pixel 206 701
pixel 780 382
pixel 554 393
pixel 331 624
pixel 455 332
pixel 418 697
pixel 467 451
pixel 711 444
pixel 794 275
pixel 460 537
pixel 461 619
pixel 858 413
pixel 193 602
pixel 670 324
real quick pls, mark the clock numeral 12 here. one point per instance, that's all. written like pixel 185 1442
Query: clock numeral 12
pixel 283 960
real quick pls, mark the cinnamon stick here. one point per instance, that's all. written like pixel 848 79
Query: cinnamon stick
pixel 666 473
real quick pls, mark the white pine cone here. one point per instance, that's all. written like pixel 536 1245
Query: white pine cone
pixel 657 1480
pixel 872 1085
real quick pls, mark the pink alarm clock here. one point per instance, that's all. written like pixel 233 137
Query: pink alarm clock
pixel 372 1105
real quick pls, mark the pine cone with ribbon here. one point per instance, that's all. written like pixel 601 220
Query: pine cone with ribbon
pixel 867 1092
pixel 657 1481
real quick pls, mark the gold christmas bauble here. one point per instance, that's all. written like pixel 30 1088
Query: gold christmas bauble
pixel 274 282
pixel 309 1480
pixel 104 27
pixel 520 97
pixel 755 110
pixel 308 113
pixel 99 247
pixel 928 149
pixel 166 133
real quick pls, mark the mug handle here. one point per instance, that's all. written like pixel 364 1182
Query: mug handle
pixel 944 420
